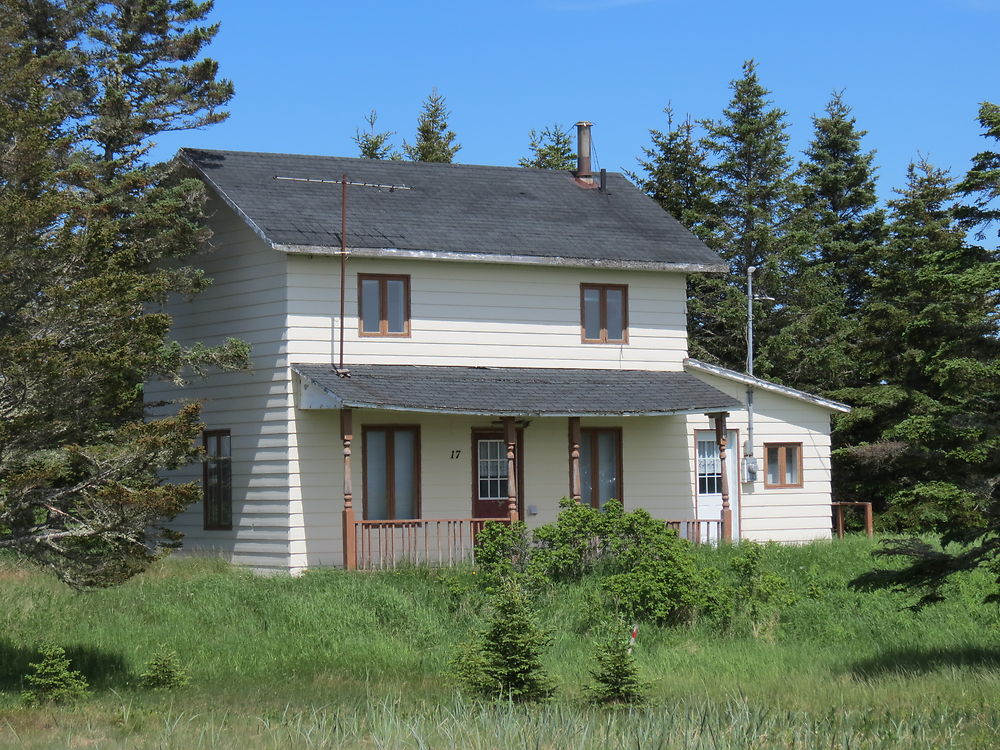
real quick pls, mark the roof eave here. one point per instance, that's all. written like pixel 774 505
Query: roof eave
pixel 765 385
pixel 507 259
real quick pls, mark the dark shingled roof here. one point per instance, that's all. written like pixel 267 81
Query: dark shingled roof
pixel 517 391
pixel 534 215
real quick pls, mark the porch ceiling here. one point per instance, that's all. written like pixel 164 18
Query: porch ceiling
pixel 511 391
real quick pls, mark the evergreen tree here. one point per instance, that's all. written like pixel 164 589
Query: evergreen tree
pixel 982 182
pixel 751 191
pixel 676 175
pixel 374 144
pixel 87 223
pixel 434 141
pixel 925 435
pixel 834 237
pixel 550 149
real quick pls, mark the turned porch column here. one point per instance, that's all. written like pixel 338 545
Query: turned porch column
pixel 510 437
pixel 721 439
pixel 575 490
pixel 350 535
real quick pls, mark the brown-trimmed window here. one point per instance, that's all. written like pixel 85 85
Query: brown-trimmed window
pixel 217 480
pixel 782 464
pixel 383 305
pixel 391 471
pixel 604 313
pixel 600 465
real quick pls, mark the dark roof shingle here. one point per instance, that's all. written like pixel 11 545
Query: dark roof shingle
pixel 517 391
pixel 450 208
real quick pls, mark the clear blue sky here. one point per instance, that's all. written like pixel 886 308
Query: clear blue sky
pixel 307 71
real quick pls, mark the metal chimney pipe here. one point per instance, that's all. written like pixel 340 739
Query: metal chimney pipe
pixel 583 151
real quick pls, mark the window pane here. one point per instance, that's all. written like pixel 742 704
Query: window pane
pixel 592 313
pixel 223 447
pixel 376 476
pixel 772 465
pixel 404 464
pixel 225 487
pixel 586 462
pixel 396 296
pixel 607 469
pixel 791 464
pixel 616 314
pixel 492 461
pixel 709 467
pixel 370 306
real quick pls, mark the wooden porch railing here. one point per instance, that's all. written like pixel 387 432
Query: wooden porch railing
pixel 383 545
pixel 838 518
pixel 700 530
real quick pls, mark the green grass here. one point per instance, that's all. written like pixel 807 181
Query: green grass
pixel 333 659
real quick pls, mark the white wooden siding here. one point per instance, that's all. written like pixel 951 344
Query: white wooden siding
pixel 486 315
pixel 247 300
pixel 794 514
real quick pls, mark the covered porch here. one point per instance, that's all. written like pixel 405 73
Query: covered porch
pixel 444 450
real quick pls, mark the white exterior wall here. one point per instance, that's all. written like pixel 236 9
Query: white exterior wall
pixel 486 314
pixel 795 514
pixel 247 300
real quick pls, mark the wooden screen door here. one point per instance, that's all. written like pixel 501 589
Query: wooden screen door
pixel 489 474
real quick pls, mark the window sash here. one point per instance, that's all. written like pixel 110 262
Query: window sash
pixel 600 465
pixel 783 464
pixel 383 305
pixel 391 471
pixel 492 477
pixel 604 313
pixel 217 482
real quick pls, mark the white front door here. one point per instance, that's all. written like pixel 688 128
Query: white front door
pixel 708 484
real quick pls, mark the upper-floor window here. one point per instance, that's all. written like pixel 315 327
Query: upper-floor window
pixel 217 480
pixel 783 464
pixel 604 313
pixel 383 305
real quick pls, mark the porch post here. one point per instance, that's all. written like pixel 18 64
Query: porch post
pixel 510 437
pixel 350 534
pixel 721 439
pixel 575 491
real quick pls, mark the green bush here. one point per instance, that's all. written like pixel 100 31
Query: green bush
pixel 758 595
pixel 568 549
pixel 504 659
pixel 52 680
pixel 163 671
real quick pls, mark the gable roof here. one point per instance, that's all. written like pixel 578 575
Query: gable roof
pixel 450 212
pixel 764 385
pixel 516 391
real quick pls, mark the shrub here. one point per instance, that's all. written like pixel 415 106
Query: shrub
pixel 52 680
pixel 164 671
pixel 504 660
pixel 616 677
pixel 758 595
pixel 567 549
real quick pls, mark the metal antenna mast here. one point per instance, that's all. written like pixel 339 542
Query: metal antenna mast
pixel 343 182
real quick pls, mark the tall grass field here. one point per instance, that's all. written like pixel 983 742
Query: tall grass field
pixel 361 660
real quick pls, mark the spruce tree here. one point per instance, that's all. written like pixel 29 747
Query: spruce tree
pixel 925 439
pixel 676 175
pixel 833 239
pixel 751 192
pixel 550 149
pixel 434 141
pixel 93 233
pixel 374 144
pixel 982 181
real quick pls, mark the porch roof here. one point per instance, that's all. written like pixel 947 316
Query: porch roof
pixel 509 391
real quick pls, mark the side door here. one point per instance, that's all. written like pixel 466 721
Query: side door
pixel 708 482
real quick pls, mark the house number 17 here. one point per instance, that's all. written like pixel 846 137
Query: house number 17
pixel 456 454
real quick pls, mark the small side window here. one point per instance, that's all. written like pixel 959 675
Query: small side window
pixel 783 464
pixel 217 480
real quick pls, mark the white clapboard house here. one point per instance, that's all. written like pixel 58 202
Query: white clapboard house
pixel 480 343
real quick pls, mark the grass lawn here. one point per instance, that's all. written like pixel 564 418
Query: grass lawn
pixel 340 660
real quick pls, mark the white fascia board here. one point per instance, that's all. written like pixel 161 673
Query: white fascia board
pixel 764 385
pixel 520 260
